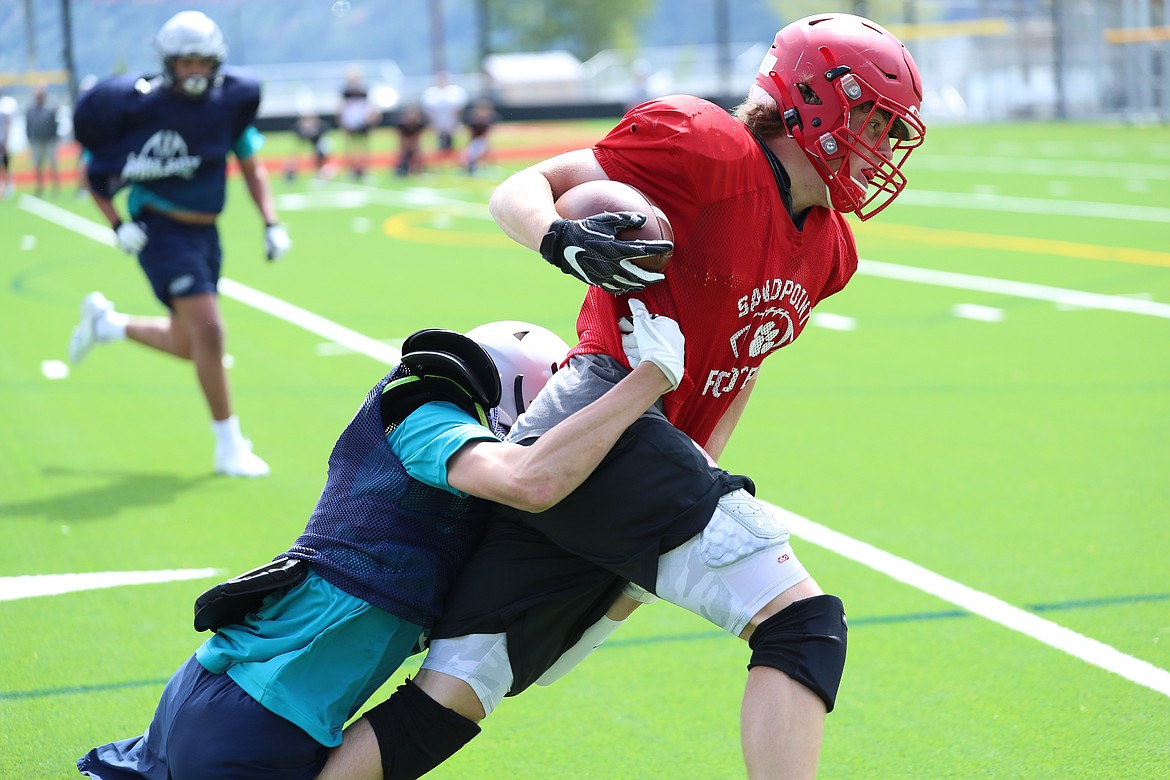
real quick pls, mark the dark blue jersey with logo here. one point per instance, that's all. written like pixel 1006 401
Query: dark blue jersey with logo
pixel 137 131
pixel 382 536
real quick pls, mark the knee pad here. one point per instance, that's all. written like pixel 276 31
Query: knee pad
pixel 415 733
pixel 805 640
pixel 480 660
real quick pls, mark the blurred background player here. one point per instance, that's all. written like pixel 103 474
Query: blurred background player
pixel 356 118
pixel 312 131
pixel 410 126
pixel 6 108
pixel 43 130
pixel 168 137
pixel 443 103
pixel 325 626
pixel 757 201
pixel 480 119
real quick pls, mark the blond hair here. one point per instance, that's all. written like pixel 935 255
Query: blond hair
pixel 760 113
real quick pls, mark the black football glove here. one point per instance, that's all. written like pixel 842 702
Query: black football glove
pixel 590 250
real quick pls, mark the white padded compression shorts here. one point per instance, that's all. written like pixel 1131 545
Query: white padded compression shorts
pixel 734 567
pixel 726 574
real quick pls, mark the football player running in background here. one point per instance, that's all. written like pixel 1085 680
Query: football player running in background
pixel 302 643
pixel 757 200
pixel 168 138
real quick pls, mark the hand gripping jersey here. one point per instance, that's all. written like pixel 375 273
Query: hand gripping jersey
pixel 743 279
pixel 380 535
pixel 139 132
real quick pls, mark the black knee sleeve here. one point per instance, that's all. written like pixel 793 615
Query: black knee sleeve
pixel 805 640
pixel 415 733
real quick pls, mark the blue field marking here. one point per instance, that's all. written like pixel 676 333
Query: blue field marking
pixel 909 617
pixel 78 689
pixel 920 617
pixel 1107 601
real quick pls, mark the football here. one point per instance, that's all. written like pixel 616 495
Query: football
pixel 595 197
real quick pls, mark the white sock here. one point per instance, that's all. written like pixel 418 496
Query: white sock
pixel 111 327
pixel 227 431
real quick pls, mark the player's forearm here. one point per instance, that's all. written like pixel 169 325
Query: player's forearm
pixel 565 456
pixel 523 207
pixel 537 477
pixel 723 429
pixel 106 207
pixel 256 177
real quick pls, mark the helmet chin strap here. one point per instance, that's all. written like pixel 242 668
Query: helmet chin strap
pixel 518 395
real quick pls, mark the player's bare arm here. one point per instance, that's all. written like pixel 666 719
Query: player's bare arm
pixel 106 207
pixel 256 177
pixel 523 205
pixel 536 477
pixel 276 239
pixel 723 429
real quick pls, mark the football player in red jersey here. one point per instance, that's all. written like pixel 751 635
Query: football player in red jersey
pixel 757 200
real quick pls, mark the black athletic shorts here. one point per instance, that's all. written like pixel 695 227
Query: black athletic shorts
pixel 544 578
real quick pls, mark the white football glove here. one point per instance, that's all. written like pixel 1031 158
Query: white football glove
pixel 131 237
pixel 276 241
pixel 655 338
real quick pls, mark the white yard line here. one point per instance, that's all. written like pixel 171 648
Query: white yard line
pixel 1048 206
pixel 1052 634
pixel 28 586
pixel 1048 167
pixel 313 323
pixel 1058 295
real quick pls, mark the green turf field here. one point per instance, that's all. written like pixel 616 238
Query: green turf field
pixel 972 439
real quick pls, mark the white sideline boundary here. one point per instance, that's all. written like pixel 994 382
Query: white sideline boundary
pixel 977 602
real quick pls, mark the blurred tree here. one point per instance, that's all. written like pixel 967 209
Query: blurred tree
pixel 884 12
pixel 581 28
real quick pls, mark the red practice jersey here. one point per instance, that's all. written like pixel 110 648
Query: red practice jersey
pixel 743 280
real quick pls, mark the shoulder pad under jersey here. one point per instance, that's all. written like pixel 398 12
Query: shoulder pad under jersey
pixel 103 112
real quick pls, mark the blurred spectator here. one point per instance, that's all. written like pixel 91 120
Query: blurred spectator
pixel 6 111
pixel 42 130
pixel 480 119
pixel 311 129
pixel 443 104
pixel 358 114
pixel 410 126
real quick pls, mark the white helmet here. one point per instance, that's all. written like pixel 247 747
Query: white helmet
pixel 191 34
pixel 525 355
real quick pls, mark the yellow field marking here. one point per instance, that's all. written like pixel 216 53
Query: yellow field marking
pixel 974 27
pixel 1137 34
pixel 34 78
pixel 407 226
pixel 1038 246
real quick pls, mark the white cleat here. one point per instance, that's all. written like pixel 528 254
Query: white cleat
pixel 93 308
pixel 238 460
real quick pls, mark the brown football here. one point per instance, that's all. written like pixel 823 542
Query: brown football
pixel 595 197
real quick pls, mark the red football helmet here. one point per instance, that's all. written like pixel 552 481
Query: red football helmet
pixel 820 71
